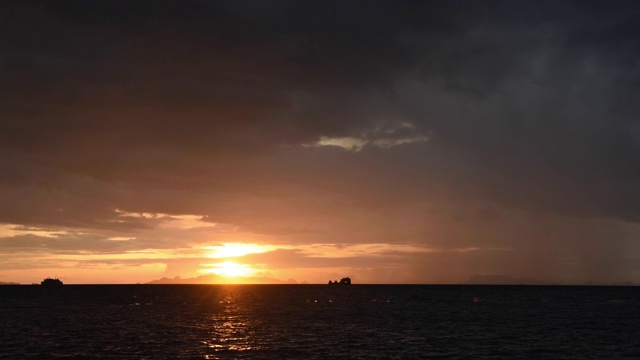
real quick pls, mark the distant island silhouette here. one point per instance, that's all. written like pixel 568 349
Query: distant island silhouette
pixel 49 282
pixel 216 279
pixel 343 281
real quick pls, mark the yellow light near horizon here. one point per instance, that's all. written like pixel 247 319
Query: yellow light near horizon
pixel 227 250
pixel 230 269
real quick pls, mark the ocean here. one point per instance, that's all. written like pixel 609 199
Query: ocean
pixel 319 322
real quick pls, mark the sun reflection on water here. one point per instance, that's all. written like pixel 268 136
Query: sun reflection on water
pixel 230 329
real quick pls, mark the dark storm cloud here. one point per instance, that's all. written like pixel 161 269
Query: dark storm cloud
pixel 548 124
pixel 217 109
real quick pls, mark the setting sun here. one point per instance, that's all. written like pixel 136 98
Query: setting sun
pixel 230 269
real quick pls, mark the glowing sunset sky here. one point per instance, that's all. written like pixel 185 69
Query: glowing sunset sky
pixel 303 141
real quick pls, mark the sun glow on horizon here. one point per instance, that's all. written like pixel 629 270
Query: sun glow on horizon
pixel 227 250
pixel 229 269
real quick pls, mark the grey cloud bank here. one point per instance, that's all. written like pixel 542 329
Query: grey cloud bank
pixel 511 127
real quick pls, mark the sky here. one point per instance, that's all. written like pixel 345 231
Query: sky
pixel 304 141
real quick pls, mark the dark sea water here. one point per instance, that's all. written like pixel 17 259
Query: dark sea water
pixel 319 322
